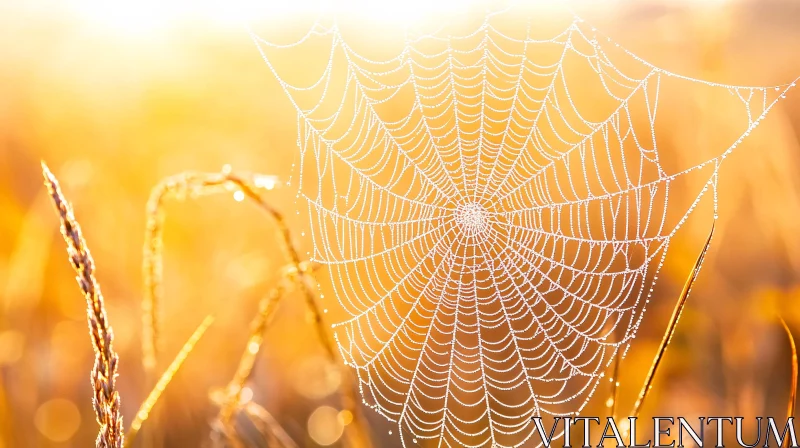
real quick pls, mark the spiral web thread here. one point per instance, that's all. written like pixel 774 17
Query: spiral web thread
pixel 494 239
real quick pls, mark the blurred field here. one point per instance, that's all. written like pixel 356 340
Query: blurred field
pixel 114 110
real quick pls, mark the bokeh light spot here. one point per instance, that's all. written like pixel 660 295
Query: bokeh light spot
pixel 245 396
pixel 345 417
pixel 316 378
pixel 324 426
pixel 58 419
pixel 12 344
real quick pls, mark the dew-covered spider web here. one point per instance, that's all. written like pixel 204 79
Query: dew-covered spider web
pixel 493 209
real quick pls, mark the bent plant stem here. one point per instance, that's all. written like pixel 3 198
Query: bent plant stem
pixel 197 184
pixel 181 185
pixel 106 362
pixel 673 323
pixel 178 186
pixel 357 431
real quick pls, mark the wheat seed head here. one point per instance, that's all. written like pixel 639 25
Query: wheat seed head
pixel 104 372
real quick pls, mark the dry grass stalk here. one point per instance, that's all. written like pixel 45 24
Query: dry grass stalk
pixel 225 436
pixel 614 397
pixel 233 393
pixel 104 373
pixel 673 322
pixel 197 184
pixel 258 326
pixel 166 378
pixel 357 432
pixel 178 186
pixel 7 426
pixel 793 394
pixel 152 273
pixel 268 426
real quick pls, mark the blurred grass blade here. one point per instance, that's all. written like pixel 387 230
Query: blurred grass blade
pixel 793 394
pixel 673 322
pixel 268 426
pixel 166 377
pixel 258 327
pixel 614 388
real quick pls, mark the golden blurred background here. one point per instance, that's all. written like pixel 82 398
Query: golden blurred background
pixel 116 97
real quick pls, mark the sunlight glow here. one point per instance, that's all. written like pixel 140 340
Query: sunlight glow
pixel 129 17
pixel 144 17
pixel 402 11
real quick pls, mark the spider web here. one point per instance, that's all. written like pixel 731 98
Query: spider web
pixel 493 210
